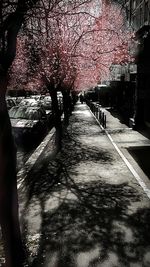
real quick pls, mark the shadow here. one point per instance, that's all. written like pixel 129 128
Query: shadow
pixel 92 220
pixel 145 131
pixel 118 115
pixel 142 155
pixel 73 222
pixel 26 147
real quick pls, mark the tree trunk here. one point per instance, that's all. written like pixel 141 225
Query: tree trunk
pixel 57 118
pixel 9 219
pixel 66 105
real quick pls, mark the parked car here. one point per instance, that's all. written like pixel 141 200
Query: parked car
pixel 36 97
pixel 19 99
pixel 47 102
pixel 31 102
pixel 10 102
pixel 28 122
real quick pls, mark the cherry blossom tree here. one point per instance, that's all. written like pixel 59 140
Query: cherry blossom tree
pixel 65 45
pixel 74 44
pixel 108 42
pixel 55 66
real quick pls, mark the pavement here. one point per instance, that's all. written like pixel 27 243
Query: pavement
pixel 88 206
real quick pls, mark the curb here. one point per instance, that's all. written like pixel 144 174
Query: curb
pixel 33 158
pixel 130 167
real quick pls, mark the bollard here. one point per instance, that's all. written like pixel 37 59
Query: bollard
pixel 96 112
pixel 100 115
pixel 105 121
pixel 93 108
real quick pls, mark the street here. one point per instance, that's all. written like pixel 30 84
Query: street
pixel 74 133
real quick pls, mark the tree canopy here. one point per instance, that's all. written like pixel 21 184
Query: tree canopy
pixel 71 44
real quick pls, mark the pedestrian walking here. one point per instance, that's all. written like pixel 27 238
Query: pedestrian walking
pixel 81 99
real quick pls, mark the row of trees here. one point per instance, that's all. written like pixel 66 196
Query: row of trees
pixel 62 45
pixel 70 46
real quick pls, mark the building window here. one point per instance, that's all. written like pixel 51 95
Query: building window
pixel 138 2
pixel 133 4
pixel 133 20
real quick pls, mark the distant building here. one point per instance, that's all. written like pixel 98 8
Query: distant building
pixel 116 71
pixel 138 13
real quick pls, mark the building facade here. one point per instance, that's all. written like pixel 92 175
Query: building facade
pixel 138 15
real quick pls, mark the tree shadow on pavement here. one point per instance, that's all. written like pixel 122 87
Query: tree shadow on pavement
pixel 83 223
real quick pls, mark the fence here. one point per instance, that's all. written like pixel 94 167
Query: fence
pixel 98 113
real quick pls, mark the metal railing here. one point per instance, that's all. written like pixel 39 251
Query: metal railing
pixel 98 112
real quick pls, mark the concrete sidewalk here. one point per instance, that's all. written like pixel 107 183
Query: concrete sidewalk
pixel 134 145
pixel 85 208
